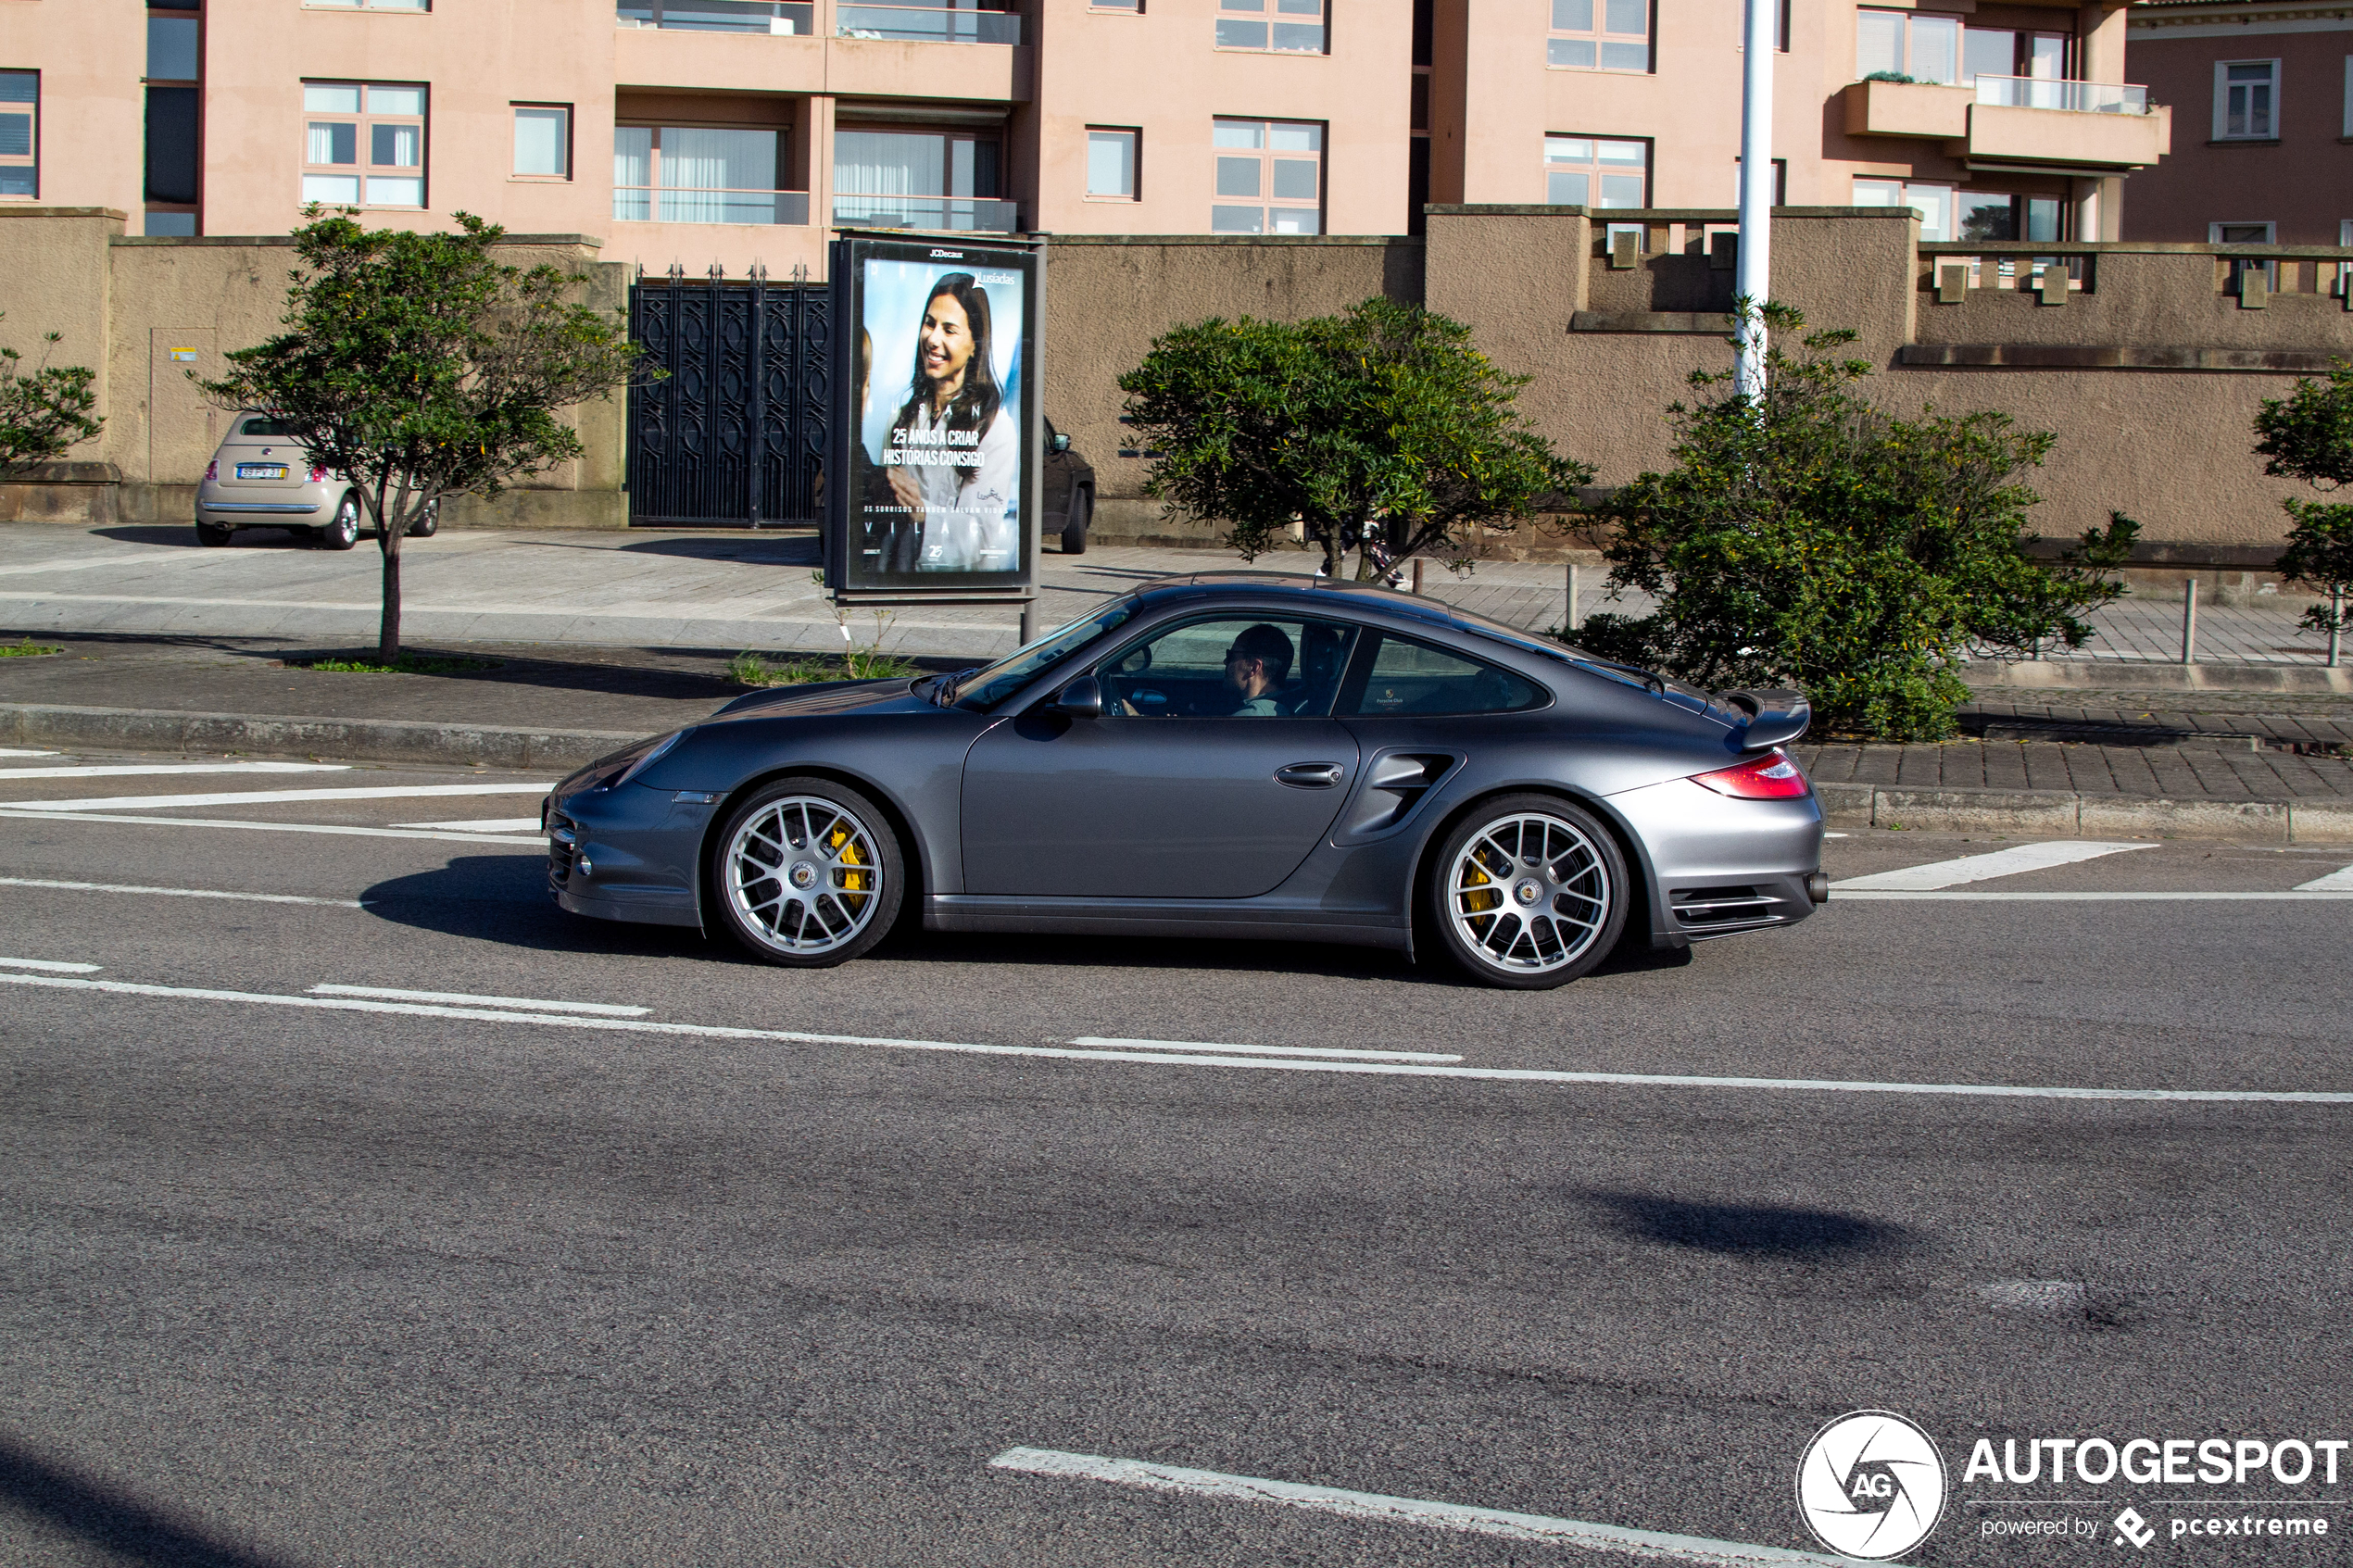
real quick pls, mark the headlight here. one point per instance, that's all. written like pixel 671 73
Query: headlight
pixel 653 755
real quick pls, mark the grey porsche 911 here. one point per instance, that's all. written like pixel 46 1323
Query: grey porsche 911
pixel 1237 754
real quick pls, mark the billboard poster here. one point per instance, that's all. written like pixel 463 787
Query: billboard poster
pixel 939 347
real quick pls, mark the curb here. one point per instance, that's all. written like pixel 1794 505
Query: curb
pixel 2062 811
pixel 1848 805
pixel 371 740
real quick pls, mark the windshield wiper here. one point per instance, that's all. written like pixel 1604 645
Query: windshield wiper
pixel 938 687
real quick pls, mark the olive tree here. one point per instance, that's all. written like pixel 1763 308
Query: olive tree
pixel 2309 435
pixel 44 411
pixel 421 367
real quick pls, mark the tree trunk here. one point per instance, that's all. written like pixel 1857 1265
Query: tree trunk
pixel 388 627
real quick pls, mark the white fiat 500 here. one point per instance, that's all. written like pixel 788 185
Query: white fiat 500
pixel 260 478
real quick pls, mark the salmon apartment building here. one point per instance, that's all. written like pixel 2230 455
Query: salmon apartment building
pixel 729 132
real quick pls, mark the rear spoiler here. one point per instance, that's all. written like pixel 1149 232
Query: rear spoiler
pixel 1775 717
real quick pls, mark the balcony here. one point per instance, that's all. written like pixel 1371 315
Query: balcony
pixel 2073 97
pixel 1907 108
pixel 647 204
pixel 924 24
pixel 956 214
pixel 2020 122
pixel 780 17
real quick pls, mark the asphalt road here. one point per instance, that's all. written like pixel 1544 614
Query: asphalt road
pixel 293 1281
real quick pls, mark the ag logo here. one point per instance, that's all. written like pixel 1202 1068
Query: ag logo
pixel 1870 1485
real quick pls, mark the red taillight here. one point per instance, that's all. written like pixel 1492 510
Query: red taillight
pixel 212 469
pixel 317 472
pixel 1772 777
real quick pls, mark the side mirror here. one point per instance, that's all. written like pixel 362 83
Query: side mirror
pixel 1060 443
pixel 1083 698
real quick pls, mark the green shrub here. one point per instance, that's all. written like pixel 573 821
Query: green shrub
pixel 2309 435
pixel 1819 542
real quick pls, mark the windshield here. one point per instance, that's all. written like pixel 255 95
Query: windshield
pixel 983 689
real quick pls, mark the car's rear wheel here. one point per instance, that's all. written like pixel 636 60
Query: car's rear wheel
pixel 807 873
pixel 1528 892
pixel 341 531
pixel 1082 512
pixel 213 534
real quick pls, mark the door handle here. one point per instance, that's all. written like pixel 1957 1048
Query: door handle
pixel 1308 775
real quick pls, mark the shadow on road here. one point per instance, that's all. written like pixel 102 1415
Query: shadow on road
pixel 1812 1235
pixel 503 898
pixel 758 549
pixel 259 536
pixel 104 1517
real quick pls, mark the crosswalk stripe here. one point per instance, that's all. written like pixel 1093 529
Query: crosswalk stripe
pixel 273 797
pixel 2332 882
pixel 1979 868
pixel 140 769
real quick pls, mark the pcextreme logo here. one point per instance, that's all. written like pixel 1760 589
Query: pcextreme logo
pixel 1870 1485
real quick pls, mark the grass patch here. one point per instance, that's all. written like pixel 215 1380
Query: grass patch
pixel 407 664
pixel 861 664
pixel 28 650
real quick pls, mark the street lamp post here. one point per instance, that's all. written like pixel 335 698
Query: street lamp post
pixel 1752 272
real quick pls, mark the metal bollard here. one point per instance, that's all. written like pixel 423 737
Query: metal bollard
pixel 2189 621
pixel 2336 625
pixel 1029 621
pixel 1417 577
pixel 1570 623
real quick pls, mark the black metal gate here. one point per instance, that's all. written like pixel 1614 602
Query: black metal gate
pixel 738 431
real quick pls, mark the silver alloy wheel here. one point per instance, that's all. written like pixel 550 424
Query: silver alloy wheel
pixel 804 874
pixel 1529 894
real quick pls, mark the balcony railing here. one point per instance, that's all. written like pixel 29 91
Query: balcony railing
pixel 975 213
pixel 2076 97
pixel 926 24
pixel 646 204
pixel 791 17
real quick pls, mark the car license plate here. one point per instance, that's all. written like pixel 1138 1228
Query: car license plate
pixel 261 471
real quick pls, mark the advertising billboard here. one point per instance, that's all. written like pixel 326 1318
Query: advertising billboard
pixel 939 437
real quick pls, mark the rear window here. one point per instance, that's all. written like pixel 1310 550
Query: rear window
pixel 1408 677
pixel 259 426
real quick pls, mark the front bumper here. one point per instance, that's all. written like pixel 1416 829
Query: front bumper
pixel 628 854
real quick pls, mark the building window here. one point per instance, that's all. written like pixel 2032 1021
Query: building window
pixel 1133 7
pixel 543 141
pixel 1591 171
pixel 174 161
pixel 172 48
pixel 1600 35
pixel 1932 203
pixel 691 174
pixel 1270 177
pixel 365 144
pixel 920 180
pixel 1110 162
pixel 1901 46
pixel 1780 182
pixel 1280 27
pixel 20 134
pixel 2246 100
pixel 1984 215
pixel 369 4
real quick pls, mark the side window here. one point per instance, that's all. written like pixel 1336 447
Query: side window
pixel 1410 678
pixel 1231 668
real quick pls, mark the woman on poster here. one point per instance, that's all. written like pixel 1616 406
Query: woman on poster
pixel 952 456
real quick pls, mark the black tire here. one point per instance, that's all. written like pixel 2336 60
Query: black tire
pixel 212 535
pixel 784 870
pixel 428 525
pixel 1520 912
pixel 341 531
pixel 1082 512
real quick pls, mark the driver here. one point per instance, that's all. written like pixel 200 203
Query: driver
pixel 1255 667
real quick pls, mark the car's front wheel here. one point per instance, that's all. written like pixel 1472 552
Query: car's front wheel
pixel 807 873
pixel 341 531
pixel 427 524
pixel 1528 892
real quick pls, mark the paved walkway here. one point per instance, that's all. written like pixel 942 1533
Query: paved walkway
pixel 738 590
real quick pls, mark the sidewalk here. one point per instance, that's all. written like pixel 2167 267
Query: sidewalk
pixel 738 590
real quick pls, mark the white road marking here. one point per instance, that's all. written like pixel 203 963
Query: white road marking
pixel 2329 884
pixel 1842 895
pixel 177 892
pixel 1652 1544
pixel 487 824
pixel 1979 867
pixel 33 816
pixel 1168 1059
pixel 15 751
pixel 51 965
pixel 278 797
pixel 462 999
pixel 135 769
pixel 1099 1043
